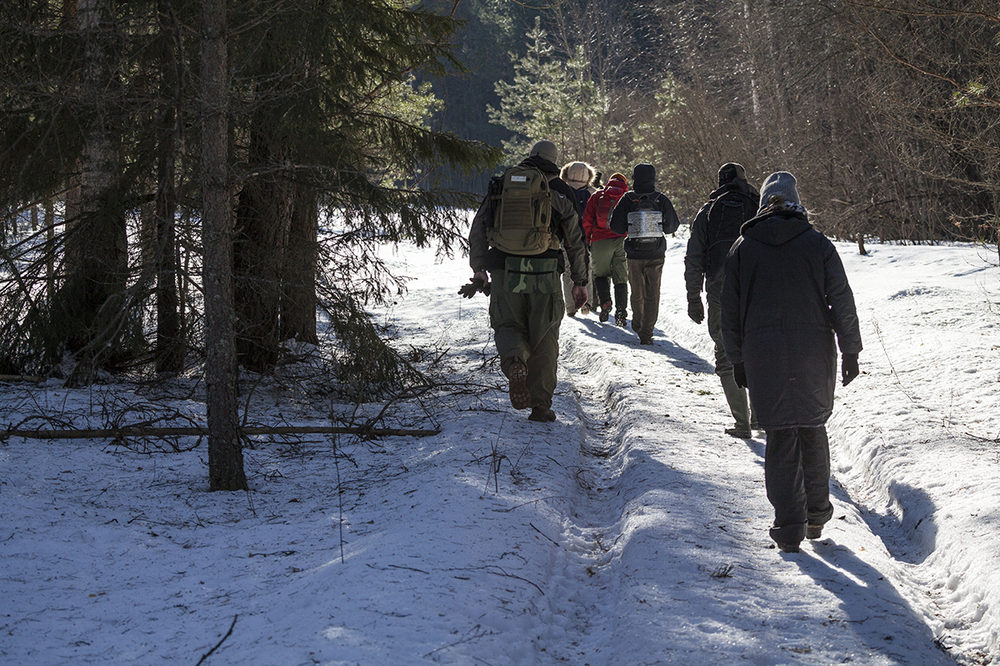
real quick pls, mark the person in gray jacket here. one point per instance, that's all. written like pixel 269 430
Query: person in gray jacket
pixel 714 230
pixel 784 297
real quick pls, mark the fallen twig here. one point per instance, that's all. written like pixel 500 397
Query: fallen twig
pixel 544 534
pixel 21 378
pixel 219 644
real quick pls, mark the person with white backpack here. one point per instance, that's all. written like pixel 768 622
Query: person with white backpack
pixel 645 216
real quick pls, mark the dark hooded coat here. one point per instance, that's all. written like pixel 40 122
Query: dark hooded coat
pixel 644 182
pixel 784 296
pixel 706 242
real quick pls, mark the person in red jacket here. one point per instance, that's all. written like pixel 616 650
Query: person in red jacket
pixel 607 249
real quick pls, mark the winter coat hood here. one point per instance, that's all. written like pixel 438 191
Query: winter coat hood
pixel 738 186
pixel 577 174
pixel 776 228
pixel 644 178
pixel 731 171
pixel 616 187
pixel 542 164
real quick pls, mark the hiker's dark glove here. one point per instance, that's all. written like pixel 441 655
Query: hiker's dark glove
pixel 740 375
pixel 579 295
pixel 476 284
pixel 696 311
pixel 849 368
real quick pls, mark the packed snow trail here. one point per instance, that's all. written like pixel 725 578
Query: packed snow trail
pixel 667 552
pixel 629 531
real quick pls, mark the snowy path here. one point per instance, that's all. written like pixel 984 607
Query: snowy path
pixel 669 559
pixel 630 531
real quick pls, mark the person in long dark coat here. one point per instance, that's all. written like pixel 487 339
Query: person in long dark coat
pixel 784 297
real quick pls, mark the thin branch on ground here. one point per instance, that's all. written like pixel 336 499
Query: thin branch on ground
pixel 219 644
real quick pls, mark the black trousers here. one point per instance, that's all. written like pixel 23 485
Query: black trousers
pixel 797 478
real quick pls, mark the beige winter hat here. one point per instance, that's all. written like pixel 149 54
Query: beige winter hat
pixel 577 174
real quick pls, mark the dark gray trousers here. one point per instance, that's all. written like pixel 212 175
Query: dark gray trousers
pixel 797 478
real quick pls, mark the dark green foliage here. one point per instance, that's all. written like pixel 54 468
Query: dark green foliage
pixel 322 101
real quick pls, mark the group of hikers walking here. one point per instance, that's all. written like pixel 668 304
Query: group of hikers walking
pixel 779 302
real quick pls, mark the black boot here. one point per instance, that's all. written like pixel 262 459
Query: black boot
pixel 621 304
pixel 603 288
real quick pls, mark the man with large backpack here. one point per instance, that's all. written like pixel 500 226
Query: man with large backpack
pixel 518 235
pixel 645 215
pixel 713 232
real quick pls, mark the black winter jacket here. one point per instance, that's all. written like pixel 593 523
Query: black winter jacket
pixel 784 296
pixel 644 249
pixel 706 241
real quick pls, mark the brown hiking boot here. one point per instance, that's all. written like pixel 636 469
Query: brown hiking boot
pixel 517 373
pixel 543 414
pixel 605 313
pixel 814 531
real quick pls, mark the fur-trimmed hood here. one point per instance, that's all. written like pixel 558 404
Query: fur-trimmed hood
pixel 577 174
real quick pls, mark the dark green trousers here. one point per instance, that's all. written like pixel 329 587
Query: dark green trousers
pixel 739 404
pixel 526 327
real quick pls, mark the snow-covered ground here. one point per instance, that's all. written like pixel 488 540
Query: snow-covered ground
pixel 630 531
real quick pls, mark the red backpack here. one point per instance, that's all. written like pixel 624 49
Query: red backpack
pixel 606 200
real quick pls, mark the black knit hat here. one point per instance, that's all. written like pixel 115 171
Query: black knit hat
pixel 731 171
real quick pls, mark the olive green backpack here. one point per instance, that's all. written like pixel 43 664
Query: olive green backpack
pixel 522 218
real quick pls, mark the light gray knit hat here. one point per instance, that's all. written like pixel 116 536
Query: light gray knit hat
pixel 546 150
pixel 779 184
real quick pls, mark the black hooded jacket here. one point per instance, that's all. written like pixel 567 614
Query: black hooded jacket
pixel 784 296
pixel 704 261
pixel 644 182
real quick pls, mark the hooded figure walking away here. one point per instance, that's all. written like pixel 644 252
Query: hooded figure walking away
pixel 713 232
pixel 579 176
pixel 607 248
pixel 645 215
pixel 784 297
pixel 518 235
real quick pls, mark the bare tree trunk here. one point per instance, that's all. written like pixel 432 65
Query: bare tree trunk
pixel 183 260
pixel 262 222
pixel 50 250
pixel 96 246
pixel 758 119
pixel 298 301
pixel 225 455
pixel 169 341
